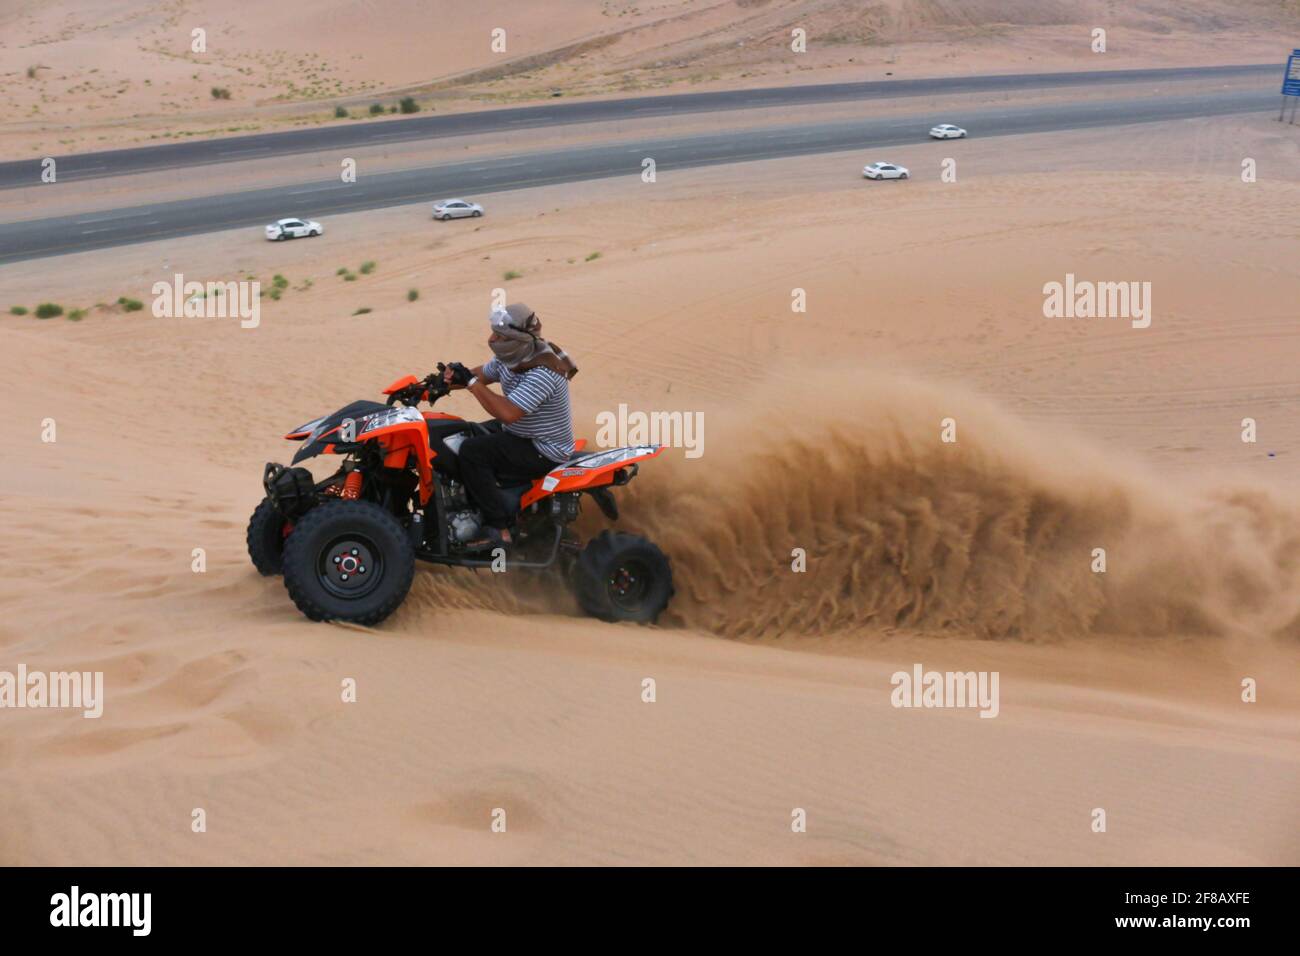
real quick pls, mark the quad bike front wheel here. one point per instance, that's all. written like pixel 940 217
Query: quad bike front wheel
pixel 623 577
pixel 348 561
pixel 266 534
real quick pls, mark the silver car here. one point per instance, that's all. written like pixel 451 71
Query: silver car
pixel 283 229
pixel 947 131
pixel 885 171
pixel 455 209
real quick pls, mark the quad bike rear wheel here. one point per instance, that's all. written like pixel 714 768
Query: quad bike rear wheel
pixel 623 577
pixel 348 561
pixel 266 534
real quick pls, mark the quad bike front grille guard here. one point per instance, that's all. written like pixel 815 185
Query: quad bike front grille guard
pixel 292 491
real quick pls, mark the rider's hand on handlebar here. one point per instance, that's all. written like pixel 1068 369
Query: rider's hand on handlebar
pixel 456 375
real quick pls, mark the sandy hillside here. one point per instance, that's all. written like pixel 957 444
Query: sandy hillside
pixel 822 432
pixel 81 75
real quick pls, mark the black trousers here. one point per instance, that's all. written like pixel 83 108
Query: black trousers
pixel 485 458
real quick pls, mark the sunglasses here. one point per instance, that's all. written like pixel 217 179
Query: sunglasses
pixel 503 320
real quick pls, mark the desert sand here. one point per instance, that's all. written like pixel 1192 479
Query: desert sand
pixel 1119 691
pixel 83 76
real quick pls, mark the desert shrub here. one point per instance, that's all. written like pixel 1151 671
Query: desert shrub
pixel 48 310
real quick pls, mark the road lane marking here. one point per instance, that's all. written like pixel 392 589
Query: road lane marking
pixel 110 217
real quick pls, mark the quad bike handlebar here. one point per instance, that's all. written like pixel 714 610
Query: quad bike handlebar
pixel 432 387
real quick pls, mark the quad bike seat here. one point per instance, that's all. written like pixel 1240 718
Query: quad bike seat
pixel 513 493
pixel 441 428
pixel 508 481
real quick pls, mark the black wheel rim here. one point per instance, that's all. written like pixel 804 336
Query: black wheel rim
pixel 350 566
pixel 628 584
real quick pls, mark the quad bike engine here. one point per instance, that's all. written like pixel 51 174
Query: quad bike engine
pixel 464 525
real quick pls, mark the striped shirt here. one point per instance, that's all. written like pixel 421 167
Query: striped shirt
pixel 544 397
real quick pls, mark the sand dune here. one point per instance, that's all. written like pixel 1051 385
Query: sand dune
pixel 1120 691
pixel 86 76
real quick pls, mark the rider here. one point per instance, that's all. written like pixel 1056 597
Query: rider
pixel 537 423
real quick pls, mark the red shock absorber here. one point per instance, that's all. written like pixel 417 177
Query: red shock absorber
pixel 352 486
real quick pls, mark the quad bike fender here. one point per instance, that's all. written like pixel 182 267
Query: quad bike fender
pixel 404 439
pixel 588 471
pixel 404 382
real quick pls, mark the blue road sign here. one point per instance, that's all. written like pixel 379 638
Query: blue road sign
pixel 1291 82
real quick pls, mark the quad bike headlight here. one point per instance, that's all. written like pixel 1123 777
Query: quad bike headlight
pixel 392 416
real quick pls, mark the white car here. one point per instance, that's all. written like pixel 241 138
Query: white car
pixel 884 171
pixel 455 209
pixel 947 131
pixel 293 229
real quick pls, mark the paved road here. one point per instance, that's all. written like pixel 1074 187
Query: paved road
pixel 65 234
pixel 354 135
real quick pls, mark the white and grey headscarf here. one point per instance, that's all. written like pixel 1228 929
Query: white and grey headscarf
pixel 521 346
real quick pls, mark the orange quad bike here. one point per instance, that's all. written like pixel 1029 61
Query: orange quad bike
pixel 347 545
